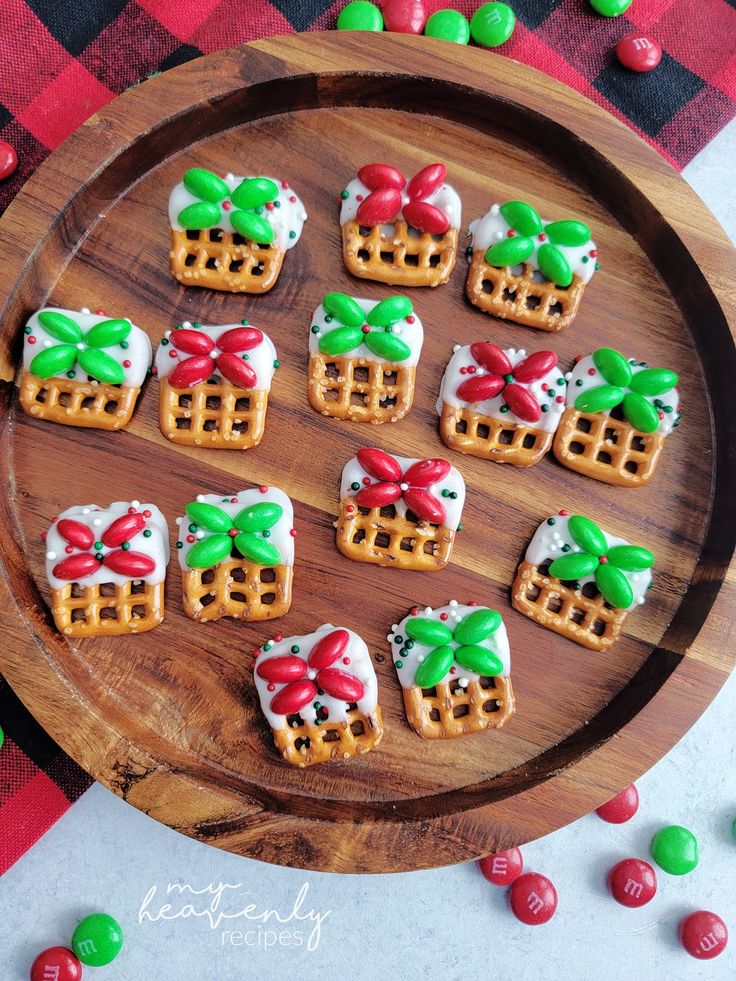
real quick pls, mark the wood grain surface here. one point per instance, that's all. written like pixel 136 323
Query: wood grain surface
pixel 169 720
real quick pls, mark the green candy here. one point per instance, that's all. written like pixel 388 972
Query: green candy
pixel 587 535
pixel 209 517
pixel 614 586
pixel 209 551
pixel 554 265
pixel 520 215
pixel 360 16
pixel 252 227
pixel 390 311
pixel 573 566
pixel 257 549
pixel 509 251
pixel 675 849
pixel 613 366
pixel 480 660
pixel 101 366
pixel 198 216
pixel 431 633
pixel 2 737
pixel 599 399
pixel 632 558
pixel 108 332
pixel 640 413
pixel 97 940
pixel 205 185
pixel 492 24
pixel 387 346
pixel 343 308
pixel 254 192
pixel 653 381
pixel 448 25
pixel 258 517
pixel 60 327
pixel 568 232
pixel 477 626
pixel 340 341
pixel 610 8
pixel 434 667
pixel 54 360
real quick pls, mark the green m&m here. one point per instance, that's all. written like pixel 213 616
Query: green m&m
pixel 97 939
pixel 492 24
pixel 360 16
pixel 448 25
pixel 610 8
pixel 675 849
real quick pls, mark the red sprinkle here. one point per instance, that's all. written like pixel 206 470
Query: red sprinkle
pixel 278 637
pixel 285 184
pixel 593 253
pixel 463 371
pixel 544 386
pixel 233 500
pixel 263 488
pixel 233 532
pixel 293 532
pixel 269 205
pixel 292 199
pixel 43 536
pixel 173 354
pixel 472 603
pixel 100 313
pixel 346 660
pixel 191 538
pixel 31 339
pixel 511 233
pixel 542 237
pixel 271 686
pixel 453 670
pixel 226 205
pixel 366 329
pixel 358 197
pixel 349 508
pixel 591 371
pixel 127 364
pixel 472 369
pixel 603 559
pixel 443 616
pixel 563 513
pixel 414 610
pixel 366 480
pixel 132 511
pixel 559 399
pixel 69 549
pixel 410 319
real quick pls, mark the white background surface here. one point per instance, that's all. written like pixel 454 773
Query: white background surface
pixel 447 924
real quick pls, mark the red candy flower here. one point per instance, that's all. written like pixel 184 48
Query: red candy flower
pixel 411 485
pixel 120 560
pixel 503 378
pixel 302 679
pixel 385 200
pixel 205 354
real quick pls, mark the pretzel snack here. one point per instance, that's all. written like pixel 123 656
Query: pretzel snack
pixel 107 610
pixel 406 257
pixel 218 415
pixel 239 589
pixel 224 261
pixel 358 389
pixel 381 537
pixel 448 710
pixel 304 745
pixel 492 439
pixel 78 403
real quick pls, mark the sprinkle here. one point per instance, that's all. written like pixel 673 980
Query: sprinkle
pixel 444 616
pixel 591 371
pixel 346 660
pixel 293 532
pixel 51 555
pixel 263 488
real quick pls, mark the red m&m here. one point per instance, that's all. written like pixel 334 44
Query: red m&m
pixel 703 934
pixel 56 964
pixel 533 899
pixel 404 16
pixel 639 53
pixel 503 868
pixel 8 160
pixel 632 882
pixel 620 808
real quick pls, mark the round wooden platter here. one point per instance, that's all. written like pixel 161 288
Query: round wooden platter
pixel 169 720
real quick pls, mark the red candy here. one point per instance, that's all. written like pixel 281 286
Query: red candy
pixel 8 160
pixel 533 899
pixel 380 176
pixel 327 650
pixel 491 358
pixel 535 366
pixel 239 339
pixel 294 697
pixel 423 473
pixel 424 505
pixel 622 807
pixel 284 668
pixel 404 16
pixel 703 934
pixel 503 868
pixel 380 206
pixel 56 964
pixel 123 529
pixel 426 217
pixel 340 684
pixel 379 464
pixel 522 403
pixel 639 53
pixel 76 567
pixel 632 882
pixel 235 370
pixel 192 341
pixel 426 181
pixel 378 495
pixel 133 564
pixel 75 533
pixel 191 371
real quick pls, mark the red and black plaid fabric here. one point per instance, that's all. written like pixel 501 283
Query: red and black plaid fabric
pixel 61 60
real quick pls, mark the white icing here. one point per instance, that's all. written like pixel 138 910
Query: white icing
pixel 360 667
pixel 453 482
pixel 462 358
pixel 288 217
pixel 138 351
pixel 280 537
pixel 498 643
pixel 581 372
pixel 445 198
pixel 261 358
pixel 156 546
pixel 493 227
pixel 410 334
pixel 546 546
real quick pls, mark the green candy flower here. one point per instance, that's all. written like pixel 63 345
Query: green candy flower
pixel 626 388
pixel 606 565
pixel 466 637
pixel 245 531
pixel 77 347
pixel 240 205
pixel 355 327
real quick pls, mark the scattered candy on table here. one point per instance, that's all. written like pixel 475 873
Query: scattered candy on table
pixel 449 25
pixel 2 737
pixel 56 964
pixel 8 160
pixel 533 899
pixel 703 934
pixel 610 8
pixel 97 939
pixel 632 882
pixel 640 54
pixel 620 808
pixel 404 16
pixel 675 849
pixel 492 24
pixel 360 16
pixel 503 868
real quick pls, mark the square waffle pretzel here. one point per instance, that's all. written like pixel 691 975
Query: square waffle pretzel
pixel 381 537
pixel 403 258
pixel 224 261
pixel 237 589
pixel 589 621
pixel 478 435
pixel 85 611
pixel 304 745
pixel 77 403
pixel 520 297
pixel 448 710
pixel 208 415
pixel 606 448
pixel 340 394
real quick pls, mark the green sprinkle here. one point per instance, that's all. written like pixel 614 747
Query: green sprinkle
pixel 453 495
pixel 27 330
pixel 277 364
pixel 329 318
pixel 560 381
pixel 409 644
pixel 98 546
pixel 192 528
pixel 295 649
pixel 565 548
pixel 545 408
pixel 180 544
pixel 71 374
pixel 398 639
pixel 164 341
pixel 292 234
pixel 124 345
pixel 445 493
pixel 579 382
pixel 355 485
pixel 504 408
pixel 586 259
pixel 267 533
pixel 551 521
pixel 315 329
pixel 399 664
pixel 344 195
pixel 147 533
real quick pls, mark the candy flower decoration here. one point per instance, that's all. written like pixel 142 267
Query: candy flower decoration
pixel 394 484
pixel 386 200
pixel 374 329
pixel 526 226
pixel 228 356
pixel 605 564
pixel 244 205
pixel 89 557
pixel 631 390
pixel 79 347
pixel 505 379
pixel 455 644
pixel 248 531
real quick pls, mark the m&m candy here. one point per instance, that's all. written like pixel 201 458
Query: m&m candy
pixel 56 963
pixel 492 24
pixel 620 808
pixel 639 53
pixel 448 25
pixel 632 882
pixel 675 849
pixel 360 16
pixel 503 868
pixel 610 8
pixel 97 939
pixel 703 934
pixel 404 16
pixel 533 899
pixel 8 160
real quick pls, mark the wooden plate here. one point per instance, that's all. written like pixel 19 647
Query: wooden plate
pixel 169 720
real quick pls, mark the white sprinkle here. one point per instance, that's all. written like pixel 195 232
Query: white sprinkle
pixel 635 577
pixel 394 626
pixel 463 682
pixel 84 310
pixel 456 347
pixel 404 487
pixel 80 346
pixel 641 600
pixel 568 375
pixel 97 522
pixel 420 658
pixel 495 208
pixel 185 323
pixel 85 510
pixel 556 535
pixel 455 616
pixel 135 504
pixel 480 371
pixel 452 603
pixel 200 497
pixel 390 638
pixel 47 343
pixel 428 609
pixel 311 674
pixel 214 354
pixel 553 548
pixel 397 329
pixel 178 521
pixel 51 555
pixel 498 235
pixel 199 534
pixel 229 176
